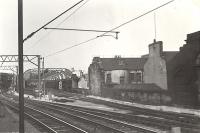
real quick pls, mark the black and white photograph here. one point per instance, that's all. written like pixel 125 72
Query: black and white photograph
pixel 100 66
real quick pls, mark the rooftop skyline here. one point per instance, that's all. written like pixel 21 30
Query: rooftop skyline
pixel 173 23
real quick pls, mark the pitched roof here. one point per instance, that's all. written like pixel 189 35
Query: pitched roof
pixel 122 63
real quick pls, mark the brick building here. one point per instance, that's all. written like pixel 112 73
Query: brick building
pixel 176 72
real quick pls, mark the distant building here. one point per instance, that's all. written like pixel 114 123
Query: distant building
pixel 6 80
pixel 177 72
pixel 51 78
pixel 149 68
pixel 115 71
pixel 183 74
pixel 83 81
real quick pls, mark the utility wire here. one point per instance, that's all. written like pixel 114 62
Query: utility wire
pixel 30 35
pixel 110 30
pixel 138 17
pixel 71 47
pixel 73 12
pixel 48 33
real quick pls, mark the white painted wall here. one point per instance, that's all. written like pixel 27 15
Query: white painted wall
pixel 115 76
pixel 82 83
pixel 155 68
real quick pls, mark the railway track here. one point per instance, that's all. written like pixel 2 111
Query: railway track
pixel 98 124
pixel 154 121
pixel 116 125
pixel 162 124
pixel 46 122
pixel 150 117
pixel 177 117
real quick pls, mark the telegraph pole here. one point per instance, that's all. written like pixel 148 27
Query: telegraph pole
pixel 20 59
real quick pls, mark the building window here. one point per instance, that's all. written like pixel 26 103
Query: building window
pixel 139 77
pixel 108 78
pixel 132 77
pixel 122 79
pixel 135 77
pixel 121 62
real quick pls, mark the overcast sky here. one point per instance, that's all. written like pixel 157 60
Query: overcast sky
pixel 174 22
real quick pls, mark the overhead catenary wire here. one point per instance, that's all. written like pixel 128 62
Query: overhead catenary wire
pixel 125 23
pixel 33 33
pixel 71 47
pixel 138 17
pixel 73 12
pixel 48 33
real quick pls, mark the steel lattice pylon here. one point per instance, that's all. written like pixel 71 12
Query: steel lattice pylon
pixel 34 59
pixel 51 73
pixel 14 58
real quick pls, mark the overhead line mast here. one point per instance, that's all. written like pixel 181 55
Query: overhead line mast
pixel 21 66
pixel 46 28
pixel 116 32
pixel 20 55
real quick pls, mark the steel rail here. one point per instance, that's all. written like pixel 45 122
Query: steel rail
pixel 171 115
pixel 124 124
pixel 113 130
pixel 49 128
pixel 106 115
pixel 167 122
pixel 162 123
pixel 87 120
pixel 123 117
pixel 168 115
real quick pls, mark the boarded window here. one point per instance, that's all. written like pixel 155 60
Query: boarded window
pixel 132 77
pixel 139 77
pixel 135 77
pixel 108 78
pixel 121 62
pixel 121 79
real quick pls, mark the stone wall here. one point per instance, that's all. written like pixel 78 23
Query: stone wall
pixel 95 79
pixel 131 95
pixel 83 83
pixel 74 79
pixel 183 74
pixel 198 82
